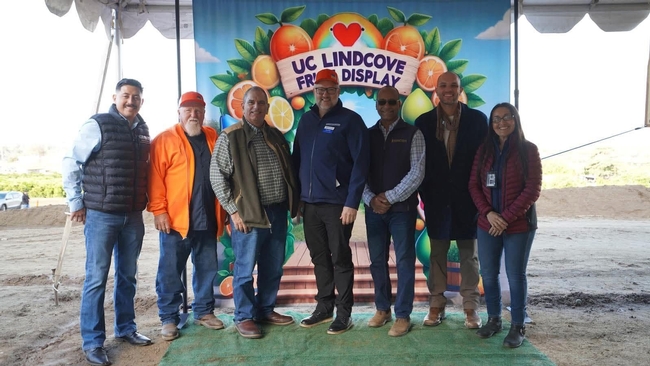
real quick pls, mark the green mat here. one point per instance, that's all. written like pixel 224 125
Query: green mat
pixel 447 344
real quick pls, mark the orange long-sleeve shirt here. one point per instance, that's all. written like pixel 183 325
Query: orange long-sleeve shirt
pixel 171 177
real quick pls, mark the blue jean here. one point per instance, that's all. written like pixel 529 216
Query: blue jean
pixel 108 235
pixel 174 251
pixel 380 228
pixel 266 248
pixel 517 249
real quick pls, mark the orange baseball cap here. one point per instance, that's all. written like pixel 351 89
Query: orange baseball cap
pixel 327 74
pixel 191 97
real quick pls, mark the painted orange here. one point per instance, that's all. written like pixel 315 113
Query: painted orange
pixel 289 40
pixel 405 40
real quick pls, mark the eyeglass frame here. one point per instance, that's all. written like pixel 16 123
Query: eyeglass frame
pixel 390 102
pixel 506 118
pixel 321 90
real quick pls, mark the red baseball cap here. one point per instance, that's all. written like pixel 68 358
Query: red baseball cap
pixel 191 97
pixel 327 74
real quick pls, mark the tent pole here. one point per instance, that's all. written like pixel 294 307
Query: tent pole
pixel 101 88
pixel 117 18
pixel 184 315
pixel 647 95
pixel 516 54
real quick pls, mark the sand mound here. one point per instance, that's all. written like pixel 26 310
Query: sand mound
pixel 611 202
pixel 43 216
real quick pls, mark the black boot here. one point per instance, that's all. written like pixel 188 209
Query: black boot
pixel 492 327
pixel 515 337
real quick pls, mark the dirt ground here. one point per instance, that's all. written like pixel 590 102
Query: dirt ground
pixel 589 291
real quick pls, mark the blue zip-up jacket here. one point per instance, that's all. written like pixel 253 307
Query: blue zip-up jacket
pixel 332 156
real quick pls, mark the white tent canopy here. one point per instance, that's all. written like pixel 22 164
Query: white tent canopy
pixel 547 16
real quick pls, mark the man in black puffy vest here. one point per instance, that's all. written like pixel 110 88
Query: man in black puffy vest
pixel 105 180
pixel 397 159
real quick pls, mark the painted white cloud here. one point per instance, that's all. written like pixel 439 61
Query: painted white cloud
pixel 204 56
pixel 501 30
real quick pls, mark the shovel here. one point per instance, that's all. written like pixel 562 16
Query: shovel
pixel 56 277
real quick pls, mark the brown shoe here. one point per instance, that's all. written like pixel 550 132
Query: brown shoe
pixel 209 321
pixel 169 332
pixel 435 317
pixel 400 327
pixel 277 319
pixel 472 320
pixel 380 318
pixel 248 329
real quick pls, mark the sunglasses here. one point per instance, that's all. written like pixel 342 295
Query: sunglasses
pixel 389 101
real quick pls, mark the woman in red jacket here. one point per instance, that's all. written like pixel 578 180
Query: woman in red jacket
pixel 505 182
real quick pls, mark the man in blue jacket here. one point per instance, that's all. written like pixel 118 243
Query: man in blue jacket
pixel 331 154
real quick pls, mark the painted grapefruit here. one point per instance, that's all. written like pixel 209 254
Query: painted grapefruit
pixel 430 69
pixel 225 287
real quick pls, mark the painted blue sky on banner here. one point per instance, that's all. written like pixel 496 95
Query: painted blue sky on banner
pixel 483 52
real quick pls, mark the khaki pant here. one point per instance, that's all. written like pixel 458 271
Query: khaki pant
pixel 468 271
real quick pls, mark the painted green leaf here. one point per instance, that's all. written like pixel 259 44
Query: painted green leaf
pixel 450 49
pixel 432 42
pixel 239 66
pixel 474 101
pixel 262 41
pixel 225 238
pixel 245 49
pixel 220 101
pixel 309 99
pixel 223 273
pixel 472 82
pixel 267 18
pixel 269 34
pixel 224 82
pixel 385 26
pixel 397 15
pixel 321 19
pixel 373 19
pixel 310 26
pixel 417 19
pixel 291 14
pixel 228 253
pixel 457 66
pixel 277 91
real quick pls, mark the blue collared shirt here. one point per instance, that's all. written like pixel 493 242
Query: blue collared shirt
pixel 87 141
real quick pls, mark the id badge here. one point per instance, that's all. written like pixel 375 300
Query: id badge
pixel 491 179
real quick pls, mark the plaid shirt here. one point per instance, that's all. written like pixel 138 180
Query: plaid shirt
pixel 412 180
pixel 270 183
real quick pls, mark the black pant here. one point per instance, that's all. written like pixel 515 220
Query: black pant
pixel 328 241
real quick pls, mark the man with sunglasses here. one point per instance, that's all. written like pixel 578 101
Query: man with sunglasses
pixel 452 132
pixel 331 152
pixel 397 158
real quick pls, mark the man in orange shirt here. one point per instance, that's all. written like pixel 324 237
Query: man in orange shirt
pixel 187 213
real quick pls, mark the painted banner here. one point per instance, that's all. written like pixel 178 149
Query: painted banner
pixel 281 45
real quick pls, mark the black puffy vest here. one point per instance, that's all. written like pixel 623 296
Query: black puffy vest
pixel 115 177
pixel 390 161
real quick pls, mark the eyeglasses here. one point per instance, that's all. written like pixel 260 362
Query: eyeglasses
pixel 389 101
pixel 331 90
pixel 506 118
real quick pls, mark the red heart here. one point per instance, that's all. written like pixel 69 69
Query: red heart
pixel 347 35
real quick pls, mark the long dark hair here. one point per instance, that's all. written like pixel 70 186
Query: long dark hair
pixel 517 140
